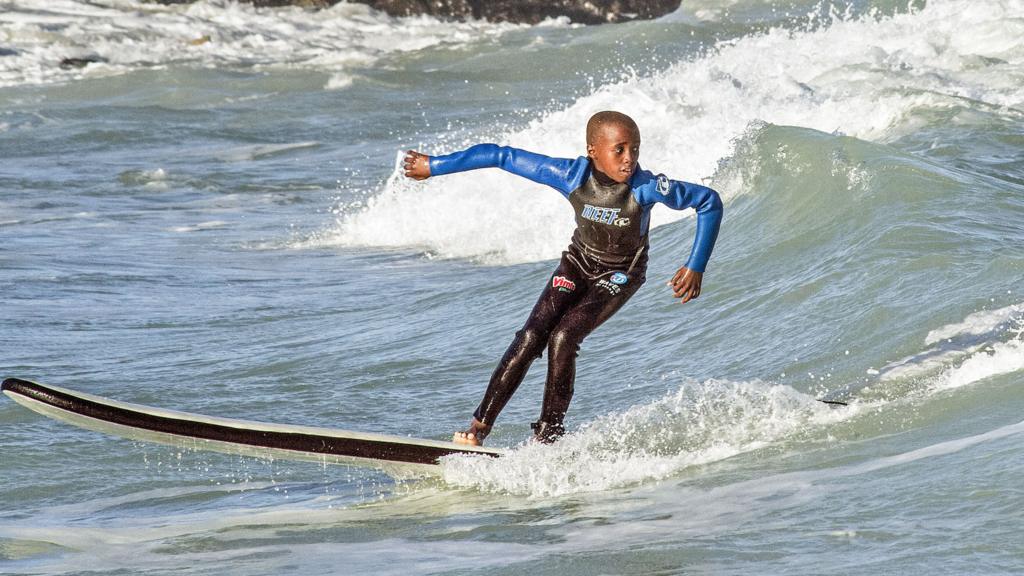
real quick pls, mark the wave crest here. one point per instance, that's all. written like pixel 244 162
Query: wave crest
pixel 700 423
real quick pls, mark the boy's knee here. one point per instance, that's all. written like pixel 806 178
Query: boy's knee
pixel 532 341
pixel 563 342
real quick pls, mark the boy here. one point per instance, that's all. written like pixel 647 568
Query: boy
pixel 604 265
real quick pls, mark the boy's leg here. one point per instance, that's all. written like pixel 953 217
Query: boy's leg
pixel 564 288
pixel 603 299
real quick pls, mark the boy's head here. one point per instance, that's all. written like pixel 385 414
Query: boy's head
pixel 613 144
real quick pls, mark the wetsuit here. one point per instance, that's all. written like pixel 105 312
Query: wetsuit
pixel 603 267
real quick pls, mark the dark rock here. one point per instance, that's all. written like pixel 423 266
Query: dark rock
pixel 7 52
pixel 69 63
pixel 530 11
pixel 303 3
pixel 523 11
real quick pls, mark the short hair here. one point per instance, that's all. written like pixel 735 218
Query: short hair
pixel 606 118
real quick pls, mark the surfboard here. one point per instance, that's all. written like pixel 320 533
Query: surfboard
pixel 393 454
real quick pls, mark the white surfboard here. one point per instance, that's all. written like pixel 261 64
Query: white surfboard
pixel 395 454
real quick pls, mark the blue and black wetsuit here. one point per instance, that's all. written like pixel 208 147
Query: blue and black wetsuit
pixel 603 267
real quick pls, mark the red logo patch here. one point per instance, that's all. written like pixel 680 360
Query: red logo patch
pixel 561 282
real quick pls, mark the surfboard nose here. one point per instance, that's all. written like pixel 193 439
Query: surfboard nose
pixel 14 385
pixel 261 439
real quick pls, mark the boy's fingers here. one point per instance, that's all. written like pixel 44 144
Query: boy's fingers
pixel 413 163
pixel 690 295
pixel 687 292
pixel 685 285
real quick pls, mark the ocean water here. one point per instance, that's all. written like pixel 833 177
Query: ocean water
pixel 209 218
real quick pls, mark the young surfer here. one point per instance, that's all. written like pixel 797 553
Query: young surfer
pixel 604 265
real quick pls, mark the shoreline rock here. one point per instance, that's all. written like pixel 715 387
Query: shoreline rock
pixel 517 11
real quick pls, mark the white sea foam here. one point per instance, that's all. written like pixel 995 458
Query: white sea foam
pixel 211 225
pixel 864 77
pixel 156 179
pixel 967 351
pixel 976 324
pixel 992 360
pixel 126 35
pixel 699 423
pixel 988 356
pixel 339 81
pixel 257 151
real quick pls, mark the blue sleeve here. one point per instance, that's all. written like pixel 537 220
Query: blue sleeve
pixel 562 174
pixel 679 195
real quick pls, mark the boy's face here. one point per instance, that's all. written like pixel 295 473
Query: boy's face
pixel 615 151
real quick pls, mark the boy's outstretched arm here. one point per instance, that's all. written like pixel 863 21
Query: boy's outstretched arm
pixel 562 174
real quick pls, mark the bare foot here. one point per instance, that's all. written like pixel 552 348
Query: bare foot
pixel 474 435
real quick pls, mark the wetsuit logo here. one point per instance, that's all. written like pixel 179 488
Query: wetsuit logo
pixel 618 278
pixel 612 289
pixel 663 185
pixel 602 215
pixel 620 222
pixel 563 284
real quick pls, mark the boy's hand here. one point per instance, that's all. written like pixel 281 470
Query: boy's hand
pixel 686 284
pixel 417 166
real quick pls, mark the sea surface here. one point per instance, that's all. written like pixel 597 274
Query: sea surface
pixel 208 217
